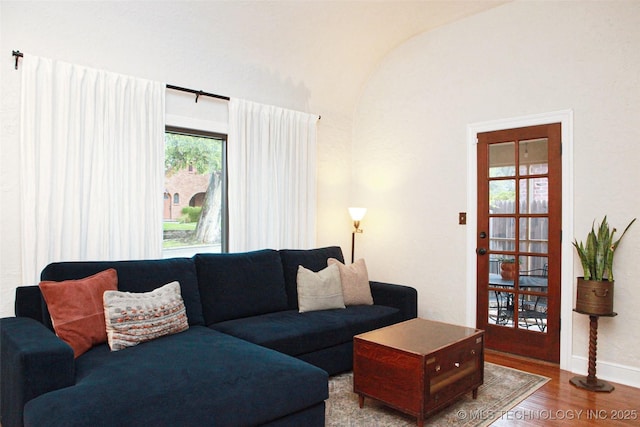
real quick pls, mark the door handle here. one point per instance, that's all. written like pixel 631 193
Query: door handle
pixel 481 251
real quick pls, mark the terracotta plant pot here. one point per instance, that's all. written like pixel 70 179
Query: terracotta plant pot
pixel 594 297
pixel 509 270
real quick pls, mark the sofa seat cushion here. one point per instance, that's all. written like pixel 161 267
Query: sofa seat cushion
pixel 199 377
pixel 295 333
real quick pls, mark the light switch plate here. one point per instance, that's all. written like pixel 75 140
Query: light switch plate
pixel 462 218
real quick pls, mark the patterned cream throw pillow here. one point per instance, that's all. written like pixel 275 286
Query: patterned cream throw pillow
pixel 133 318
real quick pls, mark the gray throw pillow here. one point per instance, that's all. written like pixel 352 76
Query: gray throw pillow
pixel 319 291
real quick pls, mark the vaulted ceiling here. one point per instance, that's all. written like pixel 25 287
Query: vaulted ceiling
pixel 340 41
pixel 324 41
pixel 319 51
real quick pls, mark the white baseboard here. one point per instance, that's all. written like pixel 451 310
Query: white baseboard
pixel 608 371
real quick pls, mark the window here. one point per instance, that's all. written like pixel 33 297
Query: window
pixel 195 217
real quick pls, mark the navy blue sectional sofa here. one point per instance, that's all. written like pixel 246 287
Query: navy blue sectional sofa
pixel 248 358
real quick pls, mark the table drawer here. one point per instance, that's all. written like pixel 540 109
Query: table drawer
pixel 453 372
pixel 451 376
pixel 444 393
pixel 451 359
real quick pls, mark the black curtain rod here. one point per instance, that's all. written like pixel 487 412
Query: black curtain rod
pixel 198 93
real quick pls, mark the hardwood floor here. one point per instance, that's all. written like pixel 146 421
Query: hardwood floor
pixel 558 402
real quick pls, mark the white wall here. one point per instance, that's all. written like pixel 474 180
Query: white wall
pixel 523 58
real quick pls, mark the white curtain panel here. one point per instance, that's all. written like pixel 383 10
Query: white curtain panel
pixel 92 165
pixel 272 177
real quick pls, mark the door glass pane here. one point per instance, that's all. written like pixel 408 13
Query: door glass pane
pixel 534 235
pixel 502 196
pixel 534 195
pixel 509 269
pixel 494 308
pixel 494 263
pixel 533 274
pixel 502 234
pixel 502 159
pixel 533 156
pixel 533 313
pixel 501 308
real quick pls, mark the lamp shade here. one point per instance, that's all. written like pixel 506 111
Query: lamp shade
pixel 357 213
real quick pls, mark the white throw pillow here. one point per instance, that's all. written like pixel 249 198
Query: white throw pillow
pixel 319 291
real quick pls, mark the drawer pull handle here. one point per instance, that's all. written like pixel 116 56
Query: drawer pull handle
pixel 437 368
pixel 473 352
pixel 457 365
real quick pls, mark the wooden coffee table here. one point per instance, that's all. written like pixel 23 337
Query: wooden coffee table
pixel 418 366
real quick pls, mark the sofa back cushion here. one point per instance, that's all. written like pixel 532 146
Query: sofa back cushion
pixel 311 259
pixel 137 276
pixel 236 285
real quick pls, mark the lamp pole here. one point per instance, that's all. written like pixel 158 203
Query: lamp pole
pixel 356 224
pixel 353 245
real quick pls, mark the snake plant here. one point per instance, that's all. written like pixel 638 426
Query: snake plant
pixel 597 255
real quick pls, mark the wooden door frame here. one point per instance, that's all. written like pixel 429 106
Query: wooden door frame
pixel 565 117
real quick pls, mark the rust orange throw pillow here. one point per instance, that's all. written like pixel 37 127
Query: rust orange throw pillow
pixel 76 309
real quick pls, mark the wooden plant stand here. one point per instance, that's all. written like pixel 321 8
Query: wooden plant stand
pixel 591 382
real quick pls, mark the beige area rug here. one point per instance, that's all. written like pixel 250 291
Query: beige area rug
pixel 503 389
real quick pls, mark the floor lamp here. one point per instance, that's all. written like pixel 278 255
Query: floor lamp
pixel 356 215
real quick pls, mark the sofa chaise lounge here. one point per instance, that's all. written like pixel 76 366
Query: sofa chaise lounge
pixel 249 356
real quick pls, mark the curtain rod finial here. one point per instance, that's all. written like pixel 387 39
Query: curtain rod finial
pixel 18 55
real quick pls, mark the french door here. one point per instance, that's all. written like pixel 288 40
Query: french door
pixel 519 240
